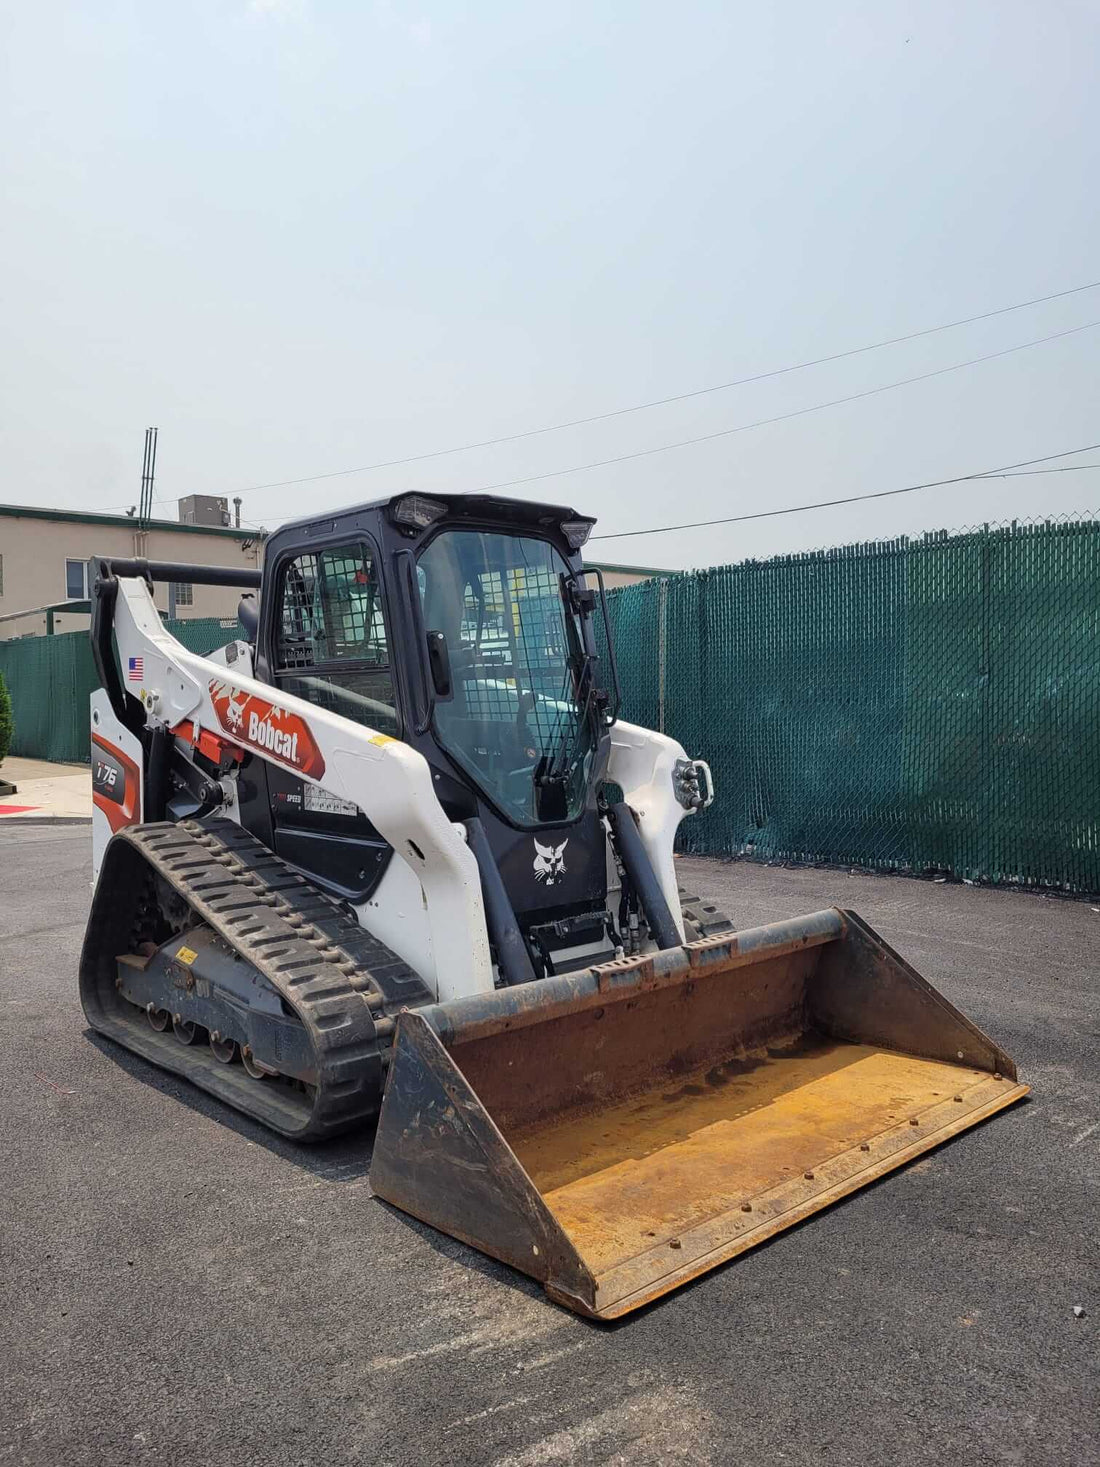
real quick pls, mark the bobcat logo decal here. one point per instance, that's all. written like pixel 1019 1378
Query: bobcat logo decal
pixel 550 863
pixel 280 735
pixel 234 711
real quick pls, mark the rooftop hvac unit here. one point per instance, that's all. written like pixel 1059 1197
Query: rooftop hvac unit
pixel 204 509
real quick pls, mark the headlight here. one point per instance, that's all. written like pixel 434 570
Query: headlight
pixel 576 532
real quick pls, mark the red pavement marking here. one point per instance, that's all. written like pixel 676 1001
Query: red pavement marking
pixel 61 1090
pixel 16 809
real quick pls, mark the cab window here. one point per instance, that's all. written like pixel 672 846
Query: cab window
pixel 330 635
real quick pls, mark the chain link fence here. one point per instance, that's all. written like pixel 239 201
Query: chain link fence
pixel 922 705
pixel 50 680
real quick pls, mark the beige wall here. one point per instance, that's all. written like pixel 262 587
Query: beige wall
pixel 34 553
pixel 613 578
pixel 627 575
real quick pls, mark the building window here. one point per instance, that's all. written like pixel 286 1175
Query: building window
pixel 1 575
pixel 76 584
pixel 185 594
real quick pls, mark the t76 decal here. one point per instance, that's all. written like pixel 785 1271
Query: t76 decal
pixel 116 782
pixel 272 731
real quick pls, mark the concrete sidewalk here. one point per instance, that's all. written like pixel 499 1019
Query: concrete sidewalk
pixel 55 794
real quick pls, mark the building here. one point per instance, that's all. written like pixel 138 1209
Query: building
pixel 44 556
pixel 625 575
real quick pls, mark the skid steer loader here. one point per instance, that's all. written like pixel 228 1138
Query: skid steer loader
pixel 392 853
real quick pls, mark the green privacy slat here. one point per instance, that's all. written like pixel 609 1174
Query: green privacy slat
pixel 908 705
pixel 51 679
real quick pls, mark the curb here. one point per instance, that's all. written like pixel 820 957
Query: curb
pixel 45 820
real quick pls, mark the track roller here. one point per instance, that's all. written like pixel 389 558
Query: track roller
pixel 224 1049
pixel 253 1066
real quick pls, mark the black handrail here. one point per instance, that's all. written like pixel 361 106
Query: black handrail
pixel 174 570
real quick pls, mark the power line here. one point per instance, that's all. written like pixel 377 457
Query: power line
pixel 780 417
pixel 675 397
pixel 1064 469
pixel 763 514
pixel 1003 473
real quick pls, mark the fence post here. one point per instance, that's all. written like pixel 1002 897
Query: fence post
pixel 662 644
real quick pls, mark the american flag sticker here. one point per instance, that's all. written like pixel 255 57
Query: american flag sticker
pixel 136 669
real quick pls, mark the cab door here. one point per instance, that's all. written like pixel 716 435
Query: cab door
pixel 330 647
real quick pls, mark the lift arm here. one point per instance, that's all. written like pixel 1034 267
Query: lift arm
pixel 389 781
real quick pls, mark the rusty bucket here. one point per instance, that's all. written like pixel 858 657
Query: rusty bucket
pixel 616 1132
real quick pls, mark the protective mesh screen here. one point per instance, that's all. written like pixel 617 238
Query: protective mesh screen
pixel 924 705
pixel 331 611
pixel 510 714
pixel 331 644
pixel 514 625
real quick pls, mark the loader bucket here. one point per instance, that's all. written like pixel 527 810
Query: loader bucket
pixel 618 1131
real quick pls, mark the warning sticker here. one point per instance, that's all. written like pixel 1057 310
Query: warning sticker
pixel 186 955
pixel 323 802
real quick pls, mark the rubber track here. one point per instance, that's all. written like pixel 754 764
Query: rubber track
pixel 702 913
pixel 338 980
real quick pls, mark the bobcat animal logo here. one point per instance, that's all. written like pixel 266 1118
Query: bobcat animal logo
pixel 550 863
pixel 235 710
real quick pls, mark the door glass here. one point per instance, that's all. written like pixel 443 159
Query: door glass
pixel 513 718
pixel 330 644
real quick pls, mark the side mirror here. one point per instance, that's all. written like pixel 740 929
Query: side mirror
pixel 439 663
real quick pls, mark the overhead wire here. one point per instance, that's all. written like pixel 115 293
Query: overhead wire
pixel 1009 471
pixel 780 417
pixel 1063 469
pixel 1004 471
pixel 672 398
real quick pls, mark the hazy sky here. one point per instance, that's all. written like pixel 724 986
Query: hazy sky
pixel 306 235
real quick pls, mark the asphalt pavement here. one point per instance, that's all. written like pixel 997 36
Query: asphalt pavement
pixel 177 1286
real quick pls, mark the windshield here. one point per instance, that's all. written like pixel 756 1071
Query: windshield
pixel 518 715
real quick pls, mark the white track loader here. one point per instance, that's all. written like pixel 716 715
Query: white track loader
pixel 393 857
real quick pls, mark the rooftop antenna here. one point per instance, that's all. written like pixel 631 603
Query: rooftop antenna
pixel 148 470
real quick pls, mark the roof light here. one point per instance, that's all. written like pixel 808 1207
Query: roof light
pixel 576 532
pixel 417 512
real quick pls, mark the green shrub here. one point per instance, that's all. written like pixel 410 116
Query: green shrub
pixel 5 719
